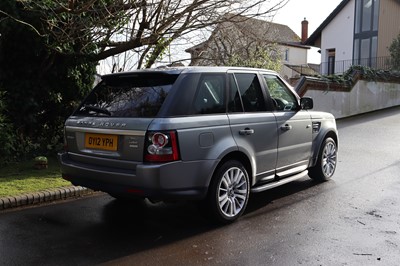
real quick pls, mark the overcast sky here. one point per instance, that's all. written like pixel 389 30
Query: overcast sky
pixel 315 11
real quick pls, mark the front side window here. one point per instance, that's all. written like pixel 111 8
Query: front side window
pixel 282 97
pixel 139 95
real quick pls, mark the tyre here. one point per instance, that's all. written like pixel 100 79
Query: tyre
pixel 229 192
pixel 326 162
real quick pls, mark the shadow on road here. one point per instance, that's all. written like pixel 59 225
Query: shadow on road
pixel 99 229
pixel 260 200
pixel 139 227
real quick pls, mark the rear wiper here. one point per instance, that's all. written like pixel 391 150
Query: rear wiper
pixel 97 109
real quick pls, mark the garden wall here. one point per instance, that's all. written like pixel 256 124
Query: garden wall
pixel 357 96
pixel 364 96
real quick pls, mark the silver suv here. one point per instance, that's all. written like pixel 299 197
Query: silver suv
pixel 212 134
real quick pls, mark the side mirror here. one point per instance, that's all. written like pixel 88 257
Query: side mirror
pixel 306 103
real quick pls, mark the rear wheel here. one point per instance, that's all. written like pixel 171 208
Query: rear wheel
pixel 326 162
pixel 229 192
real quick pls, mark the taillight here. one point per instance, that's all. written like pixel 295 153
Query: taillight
pixel 161 146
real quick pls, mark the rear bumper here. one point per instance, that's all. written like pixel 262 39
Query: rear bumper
pixel 175 180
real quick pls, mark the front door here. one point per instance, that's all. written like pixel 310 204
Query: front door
pixel 294 128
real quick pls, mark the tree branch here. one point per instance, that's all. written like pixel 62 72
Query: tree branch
pixel 22 22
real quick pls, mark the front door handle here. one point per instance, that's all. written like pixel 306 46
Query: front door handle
pixel 286 127
pixel 246 131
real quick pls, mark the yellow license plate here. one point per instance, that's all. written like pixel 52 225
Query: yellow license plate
pixel 101 142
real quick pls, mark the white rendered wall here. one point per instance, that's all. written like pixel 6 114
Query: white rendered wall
pixel 297 56
pixel 338 35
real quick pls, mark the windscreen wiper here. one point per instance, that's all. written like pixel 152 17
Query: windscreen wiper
pixel 97 109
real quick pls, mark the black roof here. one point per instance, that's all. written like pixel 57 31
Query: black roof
pixel 178 70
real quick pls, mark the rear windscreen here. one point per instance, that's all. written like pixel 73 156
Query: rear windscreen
pixel 139 95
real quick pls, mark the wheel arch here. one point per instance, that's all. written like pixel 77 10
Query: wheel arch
pixel 334 136
pixel 242 158
pixel 322 137
pixel 226 201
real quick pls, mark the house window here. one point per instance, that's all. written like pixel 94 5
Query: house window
pixel 331 61
pixel 366 15
pixel 366 32
pixel 286 55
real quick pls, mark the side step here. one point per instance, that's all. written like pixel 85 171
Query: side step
pixel 279 183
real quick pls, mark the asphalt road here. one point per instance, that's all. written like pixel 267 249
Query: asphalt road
pixel 354 219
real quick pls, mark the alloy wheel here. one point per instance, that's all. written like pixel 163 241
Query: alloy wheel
pixel 232 192
pixel 329 159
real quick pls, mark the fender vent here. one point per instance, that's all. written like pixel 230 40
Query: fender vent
pixel 316 127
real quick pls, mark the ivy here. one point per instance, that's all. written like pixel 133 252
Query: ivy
pixel 366 73
pixel 158 51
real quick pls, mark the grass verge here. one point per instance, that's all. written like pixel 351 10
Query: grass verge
pixel 21 178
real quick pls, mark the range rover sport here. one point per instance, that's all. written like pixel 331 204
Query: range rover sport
pixel 210 134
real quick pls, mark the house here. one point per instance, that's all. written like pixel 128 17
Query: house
pixel 357 32
pixel 240 35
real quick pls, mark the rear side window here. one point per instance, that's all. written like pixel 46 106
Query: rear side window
pixel 245 93
pixel 210 94
pixel 138 95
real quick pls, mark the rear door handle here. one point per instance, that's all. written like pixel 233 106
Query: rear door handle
pixel 246 131
pixel 286 127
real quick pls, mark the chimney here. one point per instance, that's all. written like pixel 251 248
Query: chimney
pixel 304 30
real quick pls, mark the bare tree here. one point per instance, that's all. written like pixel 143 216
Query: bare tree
pixel 100 29
pixel 244 41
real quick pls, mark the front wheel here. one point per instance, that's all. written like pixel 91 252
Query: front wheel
pixel 326 162
pixel 229 192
